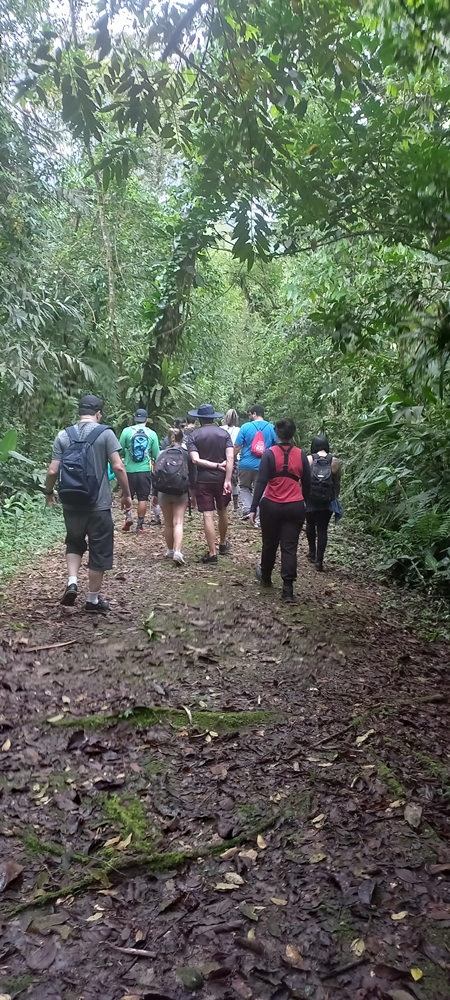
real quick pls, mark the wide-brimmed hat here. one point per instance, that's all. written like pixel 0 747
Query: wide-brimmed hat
pixel 205 411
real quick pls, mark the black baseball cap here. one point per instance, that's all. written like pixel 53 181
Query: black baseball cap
pixel 140 416
pixel 90 404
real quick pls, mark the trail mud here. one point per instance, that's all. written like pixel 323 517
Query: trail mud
pixel 241 799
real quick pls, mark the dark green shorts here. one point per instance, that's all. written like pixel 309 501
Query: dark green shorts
pixel 93 530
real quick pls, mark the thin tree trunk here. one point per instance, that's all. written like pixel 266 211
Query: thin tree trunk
pixel 73 21
pixel 108 252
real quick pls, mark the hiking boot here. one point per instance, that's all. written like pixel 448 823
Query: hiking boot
pixel 100 608
pixel 178 558
pixel 209 560
pixel 70 595
pixel 311 556
pixel 127 524
pixel 245 516
pixel 156 520
pixel 265 581
pixel 318 566
pixel 287 594
pixel 141 531
pixel 224 550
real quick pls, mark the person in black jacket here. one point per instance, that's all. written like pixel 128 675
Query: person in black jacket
pixel 281 489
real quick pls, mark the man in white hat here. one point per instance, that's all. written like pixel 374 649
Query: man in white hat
pixel 211 450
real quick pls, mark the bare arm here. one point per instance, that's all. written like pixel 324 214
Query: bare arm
pixel 336 469
pixel 229 452
pixel 50 481
pixel 196 460
pixel 237 449
pixel 119 471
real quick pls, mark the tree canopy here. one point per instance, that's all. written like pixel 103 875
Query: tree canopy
pixel 237 201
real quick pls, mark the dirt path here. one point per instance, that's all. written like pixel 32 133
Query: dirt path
pixel 309 744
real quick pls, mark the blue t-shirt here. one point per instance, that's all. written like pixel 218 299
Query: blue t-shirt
pixel 245 438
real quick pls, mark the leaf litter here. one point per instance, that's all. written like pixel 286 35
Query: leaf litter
pixel 276 913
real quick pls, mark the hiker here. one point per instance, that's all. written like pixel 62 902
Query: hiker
pixel 171 490
pixel 139 446
pixel 231 424
pixel 211 451
pixel 80 458
pixel 284 479
pixel 323 499
pixel 254 438
pixel 179 422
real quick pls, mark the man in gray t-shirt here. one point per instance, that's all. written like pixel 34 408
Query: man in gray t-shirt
pixel 93 522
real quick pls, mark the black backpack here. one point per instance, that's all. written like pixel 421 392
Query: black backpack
pixel 322 482
pixel 78 485
pixel 171 472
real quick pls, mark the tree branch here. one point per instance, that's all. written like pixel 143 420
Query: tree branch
pixel 177 32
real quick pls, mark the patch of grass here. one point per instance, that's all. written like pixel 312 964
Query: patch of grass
pixel 28 525
pixel 224 722
pixel 388 778
pixel 35 846
pixel 17 984
pixel 129 815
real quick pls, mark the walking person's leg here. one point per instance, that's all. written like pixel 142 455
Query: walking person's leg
pixel 129 513
pixel 293 516
pixel 323 520
pixel 76 527
pixel 210 533
pixel 100 532
pixel 246 486
pixel 178 512
pixel 222 501
pixel 270 527
pixel 311 534
pixel 167 515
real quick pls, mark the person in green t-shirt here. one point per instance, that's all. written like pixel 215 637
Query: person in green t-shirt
pixel 140 447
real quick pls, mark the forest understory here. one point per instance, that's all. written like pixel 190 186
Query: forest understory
pixel 242 798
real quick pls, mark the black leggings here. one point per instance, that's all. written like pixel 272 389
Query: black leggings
pixel 317 521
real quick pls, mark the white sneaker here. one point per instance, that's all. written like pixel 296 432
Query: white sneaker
pixel 178 558
pixel 169 554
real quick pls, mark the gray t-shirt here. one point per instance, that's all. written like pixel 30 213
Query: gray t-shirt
pixel 103 448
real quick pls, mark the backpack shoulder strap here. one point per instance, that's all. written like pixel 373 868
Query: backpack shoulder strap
pixel 72 434
pixel 284 472
pixel 96 431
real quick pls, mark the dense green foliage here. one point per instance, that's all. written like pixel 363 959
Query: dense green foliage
pixel 236 201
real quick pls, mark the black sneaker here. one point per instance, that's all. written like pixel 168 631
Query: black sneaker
pixel 209 560
pixel 318 566
pixel 263 580
pixel 224 550
pixel 311 557
pixel 244 517
pixel 100 608
pixel 70 595
pixel 287 594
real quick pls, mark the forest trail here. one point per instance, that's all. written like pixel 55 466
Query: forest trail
pixel 334 792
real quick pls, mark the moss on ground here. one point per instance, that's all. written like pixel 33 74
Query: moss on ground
pixel 224 722
pixel 128 814
pixel 387 776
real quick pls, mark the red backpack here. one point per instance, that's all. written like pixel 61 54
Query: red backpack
pixel 258 446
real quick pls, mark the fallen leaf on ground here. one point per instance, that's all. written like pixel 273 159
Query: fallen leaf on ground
pixel 293 956
pixel 399 916
pixel 436 869
pixel 94 918
pixel 7 996
pixel 219 770
pixel 56 718
pixel 413 814
pixel 366 891
pixel 358 947
pixel 112 842
pixel 42 958
pixel 318 820
pixel 397 804
pixel 248 911
pixel 234 878
pixel 261 842
pixel 251 854
pixel 416 974
pixel 9 870
pixel 362 739
pixel 6 745
pixel 191 978
pixel 223 886
pixel 400 995
pixel 277 901
pixel 241 988
pixel 65 699
pixel 124 843
pixel 314 860
pixel 231 853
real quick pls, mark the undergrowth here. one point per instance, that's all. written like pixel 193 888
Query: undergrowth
pixel 26 525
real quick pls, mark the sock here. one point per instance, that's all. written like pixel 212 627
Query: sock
pixel 128 515
pixel 71 580
pixel 92 597
pixel 140 522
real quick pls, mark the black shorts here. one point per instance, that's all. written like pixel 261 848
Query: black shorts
pixel 210 496
pixel 140 484
pixel 95 525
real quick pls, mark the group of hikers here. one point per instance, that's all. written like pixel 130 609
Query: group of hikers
pixel 202 463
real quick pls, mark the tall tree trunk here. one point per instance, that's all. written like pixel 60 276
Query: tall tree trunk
pixel 108 254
